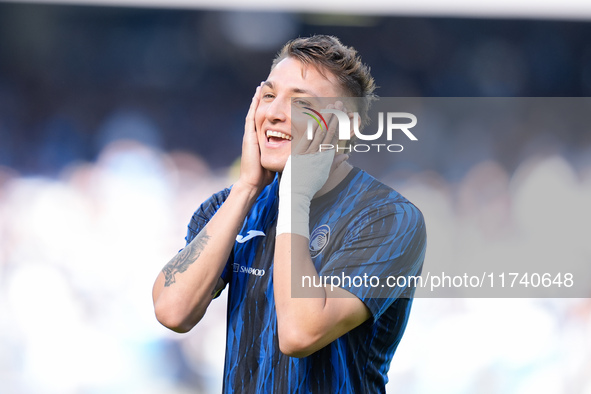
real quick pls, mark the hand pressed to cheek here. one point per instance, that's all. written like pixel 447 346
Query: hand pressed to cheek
pixel 309 172
pixel 310 166
pixel 251 171
pixel 305 173
pixel 324 133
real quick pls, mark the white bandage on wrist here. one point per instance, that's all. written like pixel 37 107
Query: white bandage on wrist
pixel 301 179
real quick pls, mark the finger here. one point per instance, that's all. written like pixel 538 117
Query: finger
pixel 321 132
pixel 249 125
pixel 306 145
pixel 331 136
pixel 339 159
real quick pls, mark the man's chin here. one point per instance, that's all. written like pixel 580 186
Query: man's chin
pixel 274 165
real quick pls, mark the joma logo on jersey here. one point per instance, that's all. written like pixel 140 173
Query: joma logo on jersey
pixel 344 130
pixel 248 270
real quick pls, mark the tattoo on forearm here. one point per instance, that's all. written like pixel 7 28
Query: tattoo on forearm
pixel 185 258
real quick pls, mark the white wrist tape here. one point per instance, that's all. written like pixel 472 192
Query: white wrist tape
pixel 302 177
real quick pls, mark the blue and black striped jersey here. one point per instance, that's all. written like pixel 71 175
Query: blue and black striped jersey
pixel 361 228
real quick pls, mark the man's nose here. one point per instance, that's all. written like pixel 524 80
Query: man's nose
pixel 278 110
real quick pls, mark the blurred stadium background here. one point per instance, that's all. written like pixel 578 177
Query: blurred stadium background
pixel 116 123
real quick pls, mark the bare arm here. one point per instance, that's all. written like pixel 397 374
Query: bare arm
pixel 185 287
pixel 317 315
pixel 307 324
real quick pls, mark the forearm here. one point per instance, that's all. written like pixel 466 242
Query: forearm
pixel 310 317
pixel 292 262
pixel 185 287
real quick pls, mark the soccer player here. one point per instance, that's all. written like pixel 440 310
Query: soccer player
pixel 295 216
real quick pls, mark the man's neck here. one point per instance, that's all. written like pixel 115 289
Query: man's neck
pixel 338 172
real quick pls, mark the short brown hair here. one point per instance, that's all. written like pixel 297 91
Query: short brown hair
pixel 328 53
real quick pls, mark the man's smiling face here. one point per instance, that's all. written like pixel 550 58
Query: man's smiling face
pixel 288 80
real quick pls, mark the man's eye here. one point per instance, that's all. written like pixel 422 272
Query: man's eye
pixel 268 96
pixel 301 102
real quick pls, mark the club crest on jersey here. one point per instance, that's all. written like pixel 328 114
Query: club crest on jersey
pixel 319 239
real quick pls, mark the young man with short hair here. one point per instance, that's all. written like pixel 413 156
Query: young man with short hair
pixel 295 213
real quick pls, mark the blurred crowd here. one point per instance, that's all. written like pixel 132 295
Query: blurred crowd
pixel 66 71
pixel 116 124
pixel 79 253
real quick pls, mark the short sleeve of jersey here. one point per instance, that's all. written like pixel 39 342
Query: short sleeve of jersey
pixel 384 241
pixel 202 216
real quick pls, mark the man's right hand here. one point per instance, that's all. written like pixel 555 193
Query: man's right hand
pixel 252 174
pixel 187 284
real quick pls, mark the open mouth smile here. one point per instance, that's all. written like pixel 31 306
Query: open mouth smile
pixel 277 137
